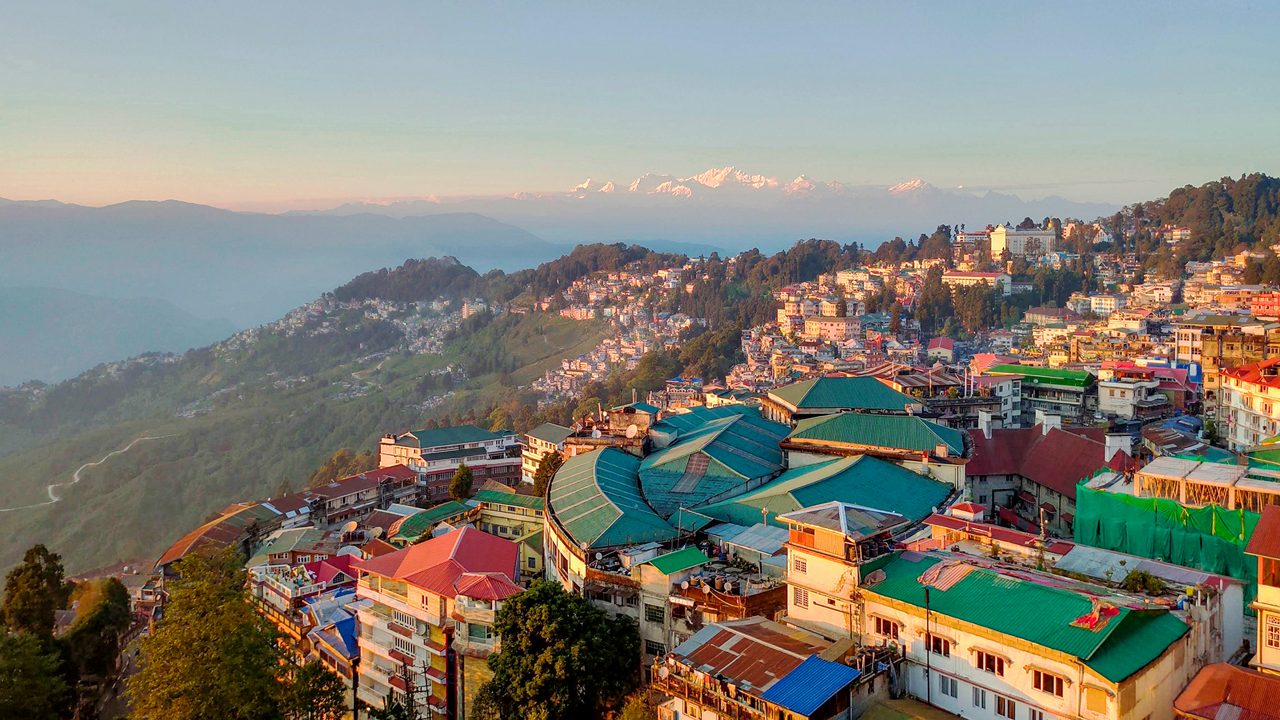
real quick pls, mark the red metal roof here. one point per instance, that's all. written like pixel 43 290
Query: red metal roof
pixel 1226 691
pixel 1259 373
pixel 1056 460
pixel 1266 536
pixel 753 653
pixel 437 564
pixel 487 586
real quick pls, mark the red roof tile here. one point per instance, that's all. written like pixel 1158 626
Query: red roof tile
pixel 437 564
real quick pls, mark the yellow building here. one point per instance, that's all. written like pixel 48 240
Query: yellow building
pixel 517 518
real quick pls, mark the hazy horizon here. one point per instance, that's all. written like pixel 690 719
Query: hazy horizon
pixel 291 106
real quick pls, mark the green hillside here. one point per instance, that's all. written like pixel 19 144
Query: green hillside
pixel 248 442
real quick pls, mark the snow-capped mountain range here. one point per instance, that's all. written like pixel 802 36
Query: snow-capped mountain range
pixel 732 208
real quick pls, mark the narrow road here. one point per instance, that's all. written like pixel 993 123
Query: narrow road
pixel 75 477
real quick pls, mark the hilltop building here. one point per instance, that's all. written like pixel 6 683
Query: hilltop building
pixel 1030 243
pixel 436 453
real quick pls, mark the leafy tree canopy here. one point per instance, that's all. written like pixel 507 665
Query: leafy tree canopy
pixel 460 485
pixel 561 657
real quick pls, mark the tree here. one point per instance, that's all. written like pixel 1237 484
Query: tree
pixel 561 657
pixel 393 709
pixel 639 706
pixel 460 485
pixel 93 642
pixel 212 655
pixel 547 468
pixel 31 685
pixel 33 592
pixel 342 463
pixel 314 693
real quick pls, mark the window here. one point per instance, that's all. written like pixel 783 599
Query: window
pixel 1006 707
pixel 886 628
pixel 980 698
pixel 801 597
pixel 800 565
pixel 1046 682
pixel 1034 714
pixel 404 646
pixel 654 613
pixel 654 648
pixel 938 645
pixel 631 601
pixel 990 663
pixel 948 686
pixel 1273 631
pixel 533 563
pixel 479 632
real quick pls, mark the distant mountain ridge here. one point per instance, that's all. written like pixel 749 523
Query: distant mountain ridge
pixel 246 267
pixel 49 335
pixel 735 209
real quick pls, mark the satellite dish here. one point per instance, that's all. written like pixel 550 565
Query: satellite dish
pixel 684 585
pixel 663 673
pixel 632 431
pixel 350 527
pixel 706 589
pixel 728 587
pixel 599 556
pixel 595 433
pixel 376 532
pixel 351 550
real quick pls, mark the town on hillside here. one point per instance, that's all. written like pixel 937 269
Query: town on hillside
pixel 1009 480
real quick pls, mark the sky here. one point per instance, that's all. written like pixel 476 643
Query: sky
pixel 281 104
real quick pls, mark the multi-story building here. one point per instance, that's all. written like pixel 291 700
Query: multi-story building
pixel 1265 305
pixel 1052 391
pixel 1000 281
pixel 436 453
pixel 423 600
pixel 1222 341
pixel 831 329
pixel 830 395
pixel 1021 243
pixel 1251 403
pixel 539 443
pixel 517 518
pixel 1133 398
pixel 995 640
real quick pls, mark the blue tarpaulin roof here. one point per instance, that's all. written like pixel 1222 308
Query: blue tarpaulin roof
pixel 810 685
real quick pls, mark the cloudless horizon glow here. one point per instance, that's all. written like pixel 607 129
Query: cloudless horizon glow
pixel 279 105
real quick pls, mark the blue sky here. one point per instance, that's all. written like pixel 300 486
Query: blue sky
pixel 264 103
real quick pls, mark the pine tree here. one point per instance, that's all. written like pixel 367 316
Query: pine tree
pixel 547 468
pixel 33 592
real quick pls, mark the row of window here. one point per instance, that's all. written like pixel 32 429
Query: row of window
pixel 1004 707
pixel 985 661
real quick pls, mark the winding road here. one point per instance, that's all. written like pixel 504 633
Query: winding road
pixel 75 477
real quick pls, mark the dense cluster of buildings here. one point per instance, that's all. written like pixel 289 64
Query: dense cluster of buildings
pixel 1029 524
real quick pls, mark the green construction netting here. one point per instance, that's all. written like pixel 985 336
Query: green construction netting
pixel 1210 538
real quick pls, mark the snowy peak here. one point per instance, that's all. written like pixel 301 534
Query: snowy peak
pixel 912 185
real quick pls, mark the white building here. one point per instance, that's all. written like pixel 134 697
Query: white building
pixel 1251 403
pixel 1001 281
pixel 1021 243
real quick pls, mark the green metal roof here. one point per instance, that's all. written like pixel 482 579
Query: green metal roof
pixel 551 432
pixel 714 458
pixel 699 416
pixel 596 498
pixel 683 559
pixel 901 432
pixel 458 435
pixel 498 497
pixel 1048 376
pixel 1038 613
pixel 863 480
pixel 855 393
pixel 418 524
